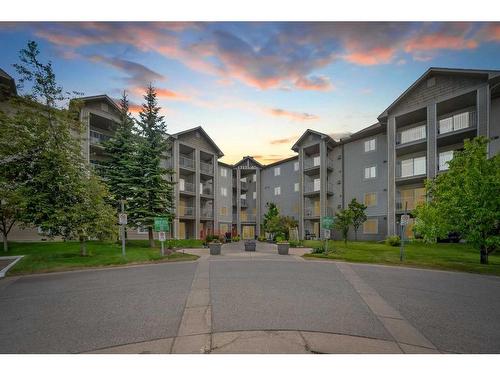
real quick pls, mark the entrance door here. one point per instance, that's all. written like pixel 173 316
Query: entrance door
pixel 316 228
pixel 317 210
pixel 248 232
pixel 182 230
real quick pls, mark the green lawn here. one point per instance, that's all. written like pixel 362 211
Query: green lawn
pixel 447 256
pixel 61 256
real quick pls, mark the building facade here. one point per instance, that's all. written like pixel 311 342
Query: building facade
pixel 383 165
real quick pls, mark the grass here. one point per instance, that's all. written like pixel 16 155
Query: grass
pixel 62 256
pixel 445 256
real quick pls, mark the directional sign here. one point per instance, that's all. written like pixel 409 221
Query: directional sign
pixel 405 219
pixel 327 233
pixel 161 224
pixel 327 222
pixel 162 236
pixel 122 219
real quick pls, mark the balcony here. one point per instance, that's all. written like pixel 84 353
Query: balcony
pixel 97 138
pixel 207 213
pixel 206 168
pixel 411 169
pixel 457 123
pixel 247 218
pixel 412 139
pixel 315 187
pixel 186 187
pixel 243 184
pixel 186 211
pixel 186 162
pixel 409 198
pixel 311 164
pixel 311 212
pixel 206 190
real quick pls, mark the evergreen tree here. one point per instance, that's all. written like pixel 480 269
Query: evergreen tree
pixel 48 164
pixel 121 170
pixel 153 195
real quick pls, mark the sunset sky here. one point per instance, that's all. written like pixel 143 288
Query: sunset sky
pixel 255 87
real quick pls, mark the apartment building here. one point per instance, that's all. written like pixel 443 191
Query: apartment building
pixel 383 165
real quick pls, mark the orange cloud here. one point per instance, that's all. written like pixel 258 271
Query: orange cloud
pixel 268 159
pixel 374 56
pixel 169 94
pixel 439 41
pixel 320 83
pixel 282 141
pixel 298 116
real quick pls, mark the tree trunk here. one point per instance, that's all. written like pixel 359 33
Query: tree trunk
pixel 151 237
pixel 355 234
pixel 5 243
pixel 83 247
pixel 484 255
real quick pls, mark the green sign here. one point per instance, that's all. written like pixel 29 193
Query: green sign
pixel 327 222
pixel 162 224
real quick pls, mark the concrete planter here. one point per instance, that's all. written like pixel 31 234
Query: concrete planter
pixel 250 245
pixel 283 248
pixel 215 248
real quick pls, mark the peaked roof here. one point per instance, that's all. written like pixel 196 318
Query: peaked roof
pixel 104 97
pixel 310 131
pixel 202 131
pixel 8 80
pixel 252 160
pixel 488 74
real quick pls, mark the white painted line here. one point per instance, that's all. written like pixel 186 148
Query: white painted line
pixel 17 258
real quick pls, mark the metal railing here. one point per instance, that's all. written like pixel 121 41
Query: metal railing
pixel 316 162
pixel 206 190
pixel 413 134
pixel 207 213
pixel 186 211
pixel 188 187
pixel 458 121
pixel 186 162
pixel 247 217
pixel 206 168
pixel 313 187
pixel 97 138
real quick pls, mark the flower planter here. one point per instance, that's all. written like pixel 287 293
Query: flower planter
pixel 215 248
pixel 283 248
pixel 250 245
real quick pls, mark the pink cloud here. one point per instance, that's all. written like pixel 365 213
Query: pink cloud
pixel 320 83
pixel 439 41
pixel 297 116
pixel 375 56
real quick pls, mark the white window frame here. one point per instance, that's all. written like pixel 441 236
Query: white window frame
pixel 223 172
pixel 223 191
pixel 254 195
pixel 277 171
pixel 372 172
pixel 296 166
pixel 296 187
pixel 371 145
pixel 277 190
pixel 443 164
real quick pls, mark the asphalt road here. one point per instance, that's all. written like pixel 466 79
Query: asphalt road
pixel 83 311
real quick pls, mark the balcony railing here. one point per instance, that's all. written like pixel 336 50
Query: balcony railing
pixel 316 162
pixel 411 167
pixel 206 190
pixel 243 202
pixel 458 121
pixel 97 138
pixel 416 133
pixel 187 187
pixel 314 212
pixel 313 187
pixel 186 211
pixel 186 162
pixel 207 213
pixel 206 168
pixel 247 217
pixel 411 202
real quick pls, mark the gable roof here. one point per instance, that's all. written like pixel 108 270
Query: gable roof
pixel 252 160
pixel 487 74
pixel 366 132
pixel 310 131
pixel 102 97
pixel 204 133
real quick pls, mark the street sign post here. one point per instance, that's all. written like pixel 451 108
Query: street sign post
pixel 122 219
pixel 327 224
pixel 162 225
pixel 403 222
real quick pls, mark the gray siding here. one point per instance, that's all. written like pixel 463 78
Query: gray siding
pixel 495 127
pixel 225 201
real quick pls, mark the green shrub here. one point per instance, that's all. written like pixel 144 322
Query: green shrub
pixel 318 250
pixel 187 243
pixel 262 238
pixel 393 241
pixel 295 243
pixel 236 238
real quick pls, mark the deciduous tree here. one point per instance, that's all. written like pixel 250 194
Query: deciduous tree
pixel 358 215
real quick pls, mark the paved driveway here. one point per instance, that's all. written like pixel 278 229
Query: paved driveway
pixel 251 302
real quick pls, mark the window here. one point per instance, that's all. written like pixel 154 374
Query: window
pixel 243 196
pixel 370 145
pixel 370 172
pixel 413 167
pixel 223 191
pixel 444 158
pixel 254 194
pixel 317 184
pixel 316 161
pixel 296 166
pixel 370 226
pixel 370 199
pixel 223 211
pixel 296 187
pixel 254 178
pixel 277 190
pixel 277 171
pixel 223 172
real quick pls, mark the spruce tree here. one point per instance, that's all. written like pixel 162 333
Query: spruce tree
pixel 153 195
pixel 120 170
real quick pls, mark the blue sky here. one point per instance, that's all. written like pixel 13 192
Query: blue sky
pixel 255 87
